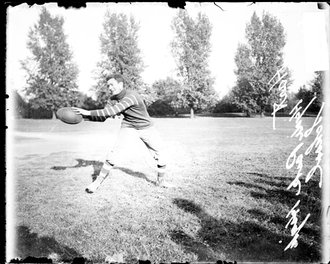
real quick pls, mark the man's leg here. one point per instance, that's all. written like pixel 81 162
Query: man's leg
pixel 154 143
pixel 110 161
pixel 105 170
pixel 161 175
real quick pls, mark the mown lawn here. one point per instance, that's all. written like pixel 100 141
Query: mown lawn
pixel 229 200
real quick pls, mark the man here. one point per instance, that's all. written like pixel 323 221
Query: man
pixel 136 118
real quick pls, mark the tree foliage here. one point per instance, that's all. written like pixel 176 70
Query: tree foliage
pixel 120 54
pixel 191 48
pixel 257 62
pixel 51 74
pixel 166 97
pixel 20 106
pixel 314 90
pixel 87 102
pixel 226 105
pixel 167 90
pixel 317 87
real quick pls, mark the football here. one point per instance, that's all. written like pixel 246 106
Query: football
pixel 67 115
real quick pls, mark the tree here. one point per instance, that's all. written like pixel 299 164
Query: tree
pixel 166 97
pixel 292 101
pixel 308 93
pixel 87 102
pixel 191 48
pixel 52 75
pixel 317 87
pixel 167 90
pixel 226 105
pixel 20 106
pixel 120 54
pixel 257 62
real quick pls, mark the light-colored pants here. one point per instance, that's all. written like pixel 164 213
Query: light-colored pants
pixel 149 136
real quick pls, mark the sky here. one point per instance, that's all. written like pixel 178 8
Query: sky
pixel 305 51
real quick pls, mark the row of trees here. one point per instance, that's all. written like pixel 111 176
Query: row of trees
pixel 305 93
pixel 52 75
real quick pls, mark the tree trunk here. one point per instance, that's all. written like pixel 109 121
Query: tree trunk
pixel 54 115
pixel 262 114
pixel 192 113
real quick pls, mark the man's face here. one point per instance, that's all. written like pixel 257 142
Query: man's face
pixel 114 86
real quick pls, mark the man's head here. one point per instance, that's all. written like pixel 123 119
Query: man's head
pixel 115 83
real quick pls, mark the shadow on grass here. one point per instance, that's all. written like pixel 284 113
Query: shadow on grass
pixel 31 245
pixel 275 191
pixel 136 174
pixel 230 115
pixel 171 116
pixel 227 115
pixel 97 166
pixel 246 241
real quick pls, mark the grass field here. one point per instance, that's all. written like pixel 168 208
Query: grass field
pixel 229 200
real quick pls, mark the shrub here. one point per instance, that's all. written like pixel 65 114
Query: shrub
pixel 160 108
pixel 226 105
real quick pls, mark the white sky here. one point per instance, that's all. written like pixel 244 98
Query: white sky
pixel 303 54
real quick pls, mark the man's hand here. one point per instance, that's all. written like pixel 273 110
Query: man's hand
pixel 81 111
pixel 119 116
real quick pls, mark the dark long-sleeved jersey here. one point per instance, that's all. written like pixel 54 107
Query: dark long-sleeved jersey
pixel 130 105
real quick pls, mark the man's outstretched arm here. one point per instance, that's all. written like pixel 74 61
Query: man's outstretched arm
pixel 109 111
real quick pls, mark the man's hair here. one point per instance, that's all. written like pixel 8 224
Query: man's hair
pixel 116 76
